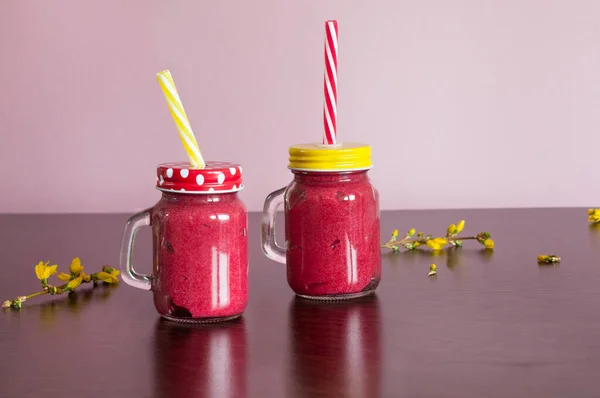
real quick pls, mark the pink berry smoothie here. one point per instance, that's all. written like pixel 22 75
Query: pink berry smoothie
pixel 332 233
pixel 200 256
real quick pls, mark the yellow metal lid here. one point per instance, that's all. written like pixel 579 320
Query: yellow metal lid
pixel 341 157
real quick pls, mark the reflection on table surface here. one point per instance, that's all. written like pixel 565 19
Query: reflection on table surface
pixel 202 360
pixel 335 347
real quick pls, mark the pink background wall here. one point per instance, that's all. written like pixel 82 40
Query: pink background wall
pixel 467 103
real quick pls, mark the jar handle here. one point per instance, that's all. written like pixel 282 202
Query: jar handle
pixel 270 247
pixel 129 275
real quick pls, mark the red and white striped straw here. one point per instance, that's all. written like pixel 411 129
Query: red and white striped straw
pixel 331 62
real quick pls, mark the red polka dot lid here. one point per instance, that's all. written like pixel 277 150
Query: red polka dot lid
pixel 216 177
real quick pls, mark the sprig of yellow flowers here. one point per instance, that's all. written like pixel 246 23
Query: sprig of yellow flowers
pixel 413 240
pixel 594 215
pixel 73 279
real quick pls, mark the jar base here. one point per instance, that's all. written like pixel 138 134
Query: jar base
pixel 200 320
pixel 335 297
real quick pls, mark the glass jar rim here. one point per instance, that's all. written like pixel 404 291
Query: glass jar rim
pixel 182 191
pixel 330 171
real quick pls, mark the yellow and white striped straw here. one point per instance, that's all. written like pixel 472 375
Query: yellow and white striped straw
pixel 181 121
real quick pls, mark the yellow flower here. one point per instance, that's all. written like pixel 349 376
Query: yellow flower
pixel 460 226
pixel 411 232
pixel 43 271
pixel 76 266
pixel 432 270
pixel 64 277
pixel 107 277
pixel 394 234
pixel 451 229
pixel 594 215
pixel 548 259
pixel 488 243
pixel 73 284
pixel 437 243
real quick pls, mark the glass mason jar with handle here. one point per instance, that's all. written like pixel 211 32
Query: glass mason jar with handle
pixel 332 223
pixel 200 244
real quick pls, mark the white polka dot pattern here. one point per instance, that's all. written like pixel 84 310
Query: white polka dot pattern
pixel 216 177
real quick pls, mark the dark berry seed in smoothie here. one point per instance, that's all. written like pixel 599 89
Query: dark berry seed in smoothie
pixel 200 255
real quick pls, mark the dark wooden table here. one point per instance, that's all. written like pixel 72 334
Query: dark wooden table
pixel 490 325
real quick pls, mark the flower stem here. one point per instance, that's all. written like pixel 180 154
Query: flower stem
pixel 36 294
pixel 422 241
pixel 21 299
pixel 60 288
